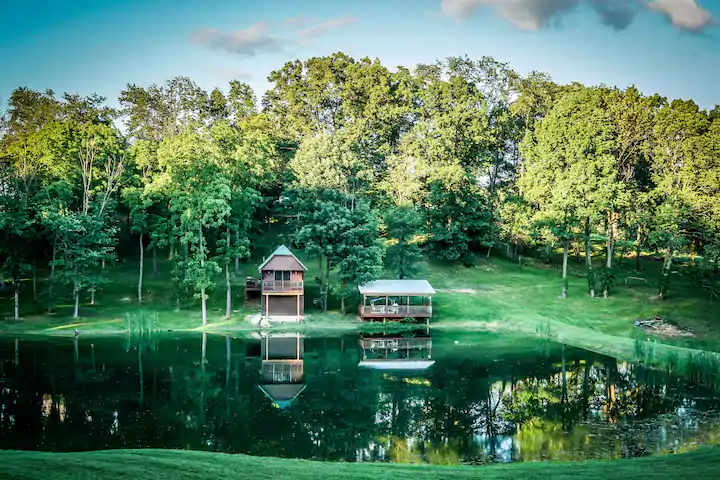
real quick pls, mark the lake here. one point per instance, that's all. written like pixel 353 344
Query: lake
pixel 434 397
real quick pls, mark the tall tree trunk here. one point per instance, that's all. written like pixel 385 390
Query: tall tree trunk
pixel 92 296
pixel 203 299
pixel 76 312
pixel 17 302
pixel 142 265
pixel 228 297
pixel 610 245
pixel 564 268
pixel 102 263
pixel 171 254
pixel 155 263
pixel 588 261
pixel 342 305
pixel 665 274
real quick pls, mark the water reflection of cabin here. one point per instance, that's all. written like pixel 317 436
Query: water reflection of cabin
pixel 396 299
pixel 396 352
pixel 282 367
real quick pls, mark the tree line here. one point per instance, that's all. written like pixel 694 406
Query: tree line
pixel 372 167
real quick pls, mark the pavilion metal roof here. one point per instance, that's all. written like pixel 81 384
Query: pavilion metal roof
pixel 397 287
pixel 409 364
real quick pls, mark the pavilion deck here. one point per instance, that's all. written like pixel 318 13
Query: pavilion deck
pixel 396 299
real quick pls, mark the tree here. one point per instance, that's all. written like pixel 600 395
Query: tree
pixel 320 219
pixel 327 161
pixel 569 173
pixel 138 205
pixel 678 129
pixel 360 253
pixel 200 197
pixel 458 219
pixel 246 158
pixel 402 226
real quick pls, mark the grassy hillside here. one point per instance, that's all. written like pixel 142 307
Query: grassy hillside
pixel 494 295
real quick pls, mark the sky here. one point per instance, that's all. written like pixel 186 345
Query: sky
pixel 670 47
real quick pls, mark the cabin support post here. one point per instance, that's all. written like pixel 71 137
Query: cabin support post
pixel 298 308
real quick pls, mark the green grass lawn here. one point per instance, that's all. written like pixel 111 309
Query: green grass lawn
pixel 174 464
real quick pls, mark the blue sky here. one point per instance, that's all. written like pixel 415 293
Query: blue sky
pixel 671 47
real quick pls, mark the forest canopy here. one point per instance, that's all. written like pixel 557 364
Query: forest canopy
pixel 371 166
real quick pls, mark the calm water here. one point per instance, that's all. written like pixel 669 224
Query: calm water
pixel 355 398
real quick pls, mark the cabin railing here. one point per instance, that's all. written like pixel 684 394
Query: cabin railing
pixel 395 310
pixel 282 286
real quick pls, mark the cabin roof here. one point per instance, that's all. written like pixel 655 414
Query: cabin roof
pixel 397 287
pixel 283 251
pixel 282 395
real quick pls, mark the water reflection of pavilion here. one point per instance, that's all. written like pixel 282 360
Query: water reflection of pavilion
pixel 396 351
pixel 282 367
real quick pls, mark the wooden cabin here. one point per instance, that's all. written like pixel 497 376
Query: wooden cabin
pixel 395 352
pixel 282 286
pixel 282 367
pixel 396 299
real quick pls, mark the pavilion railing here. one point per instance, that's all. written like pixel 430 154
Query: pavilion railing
pixel 395 310
pixel 396 343
pixel 282 286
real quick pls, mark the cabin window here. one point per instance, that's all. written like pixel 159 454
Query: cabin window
pixel 282 276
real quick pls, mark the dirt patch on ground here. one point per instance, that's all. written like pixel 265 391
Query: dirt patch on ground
pixel 659 326
pixel 469 291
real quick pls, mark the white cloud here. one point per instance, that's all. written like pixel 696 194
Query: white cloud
pixel 247 42
pixel 524 14
pixel 618 14
pixel 324 27
pixel 684 14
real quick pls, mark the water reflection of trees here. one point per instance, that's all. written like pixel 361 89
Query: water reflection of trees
pixel 201 393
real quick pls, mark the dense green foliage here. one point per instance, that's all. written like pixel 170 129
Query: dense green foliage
pixel 369 167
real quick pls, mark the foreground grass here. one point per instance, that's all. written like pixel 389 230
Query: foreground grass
pixel 175 464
